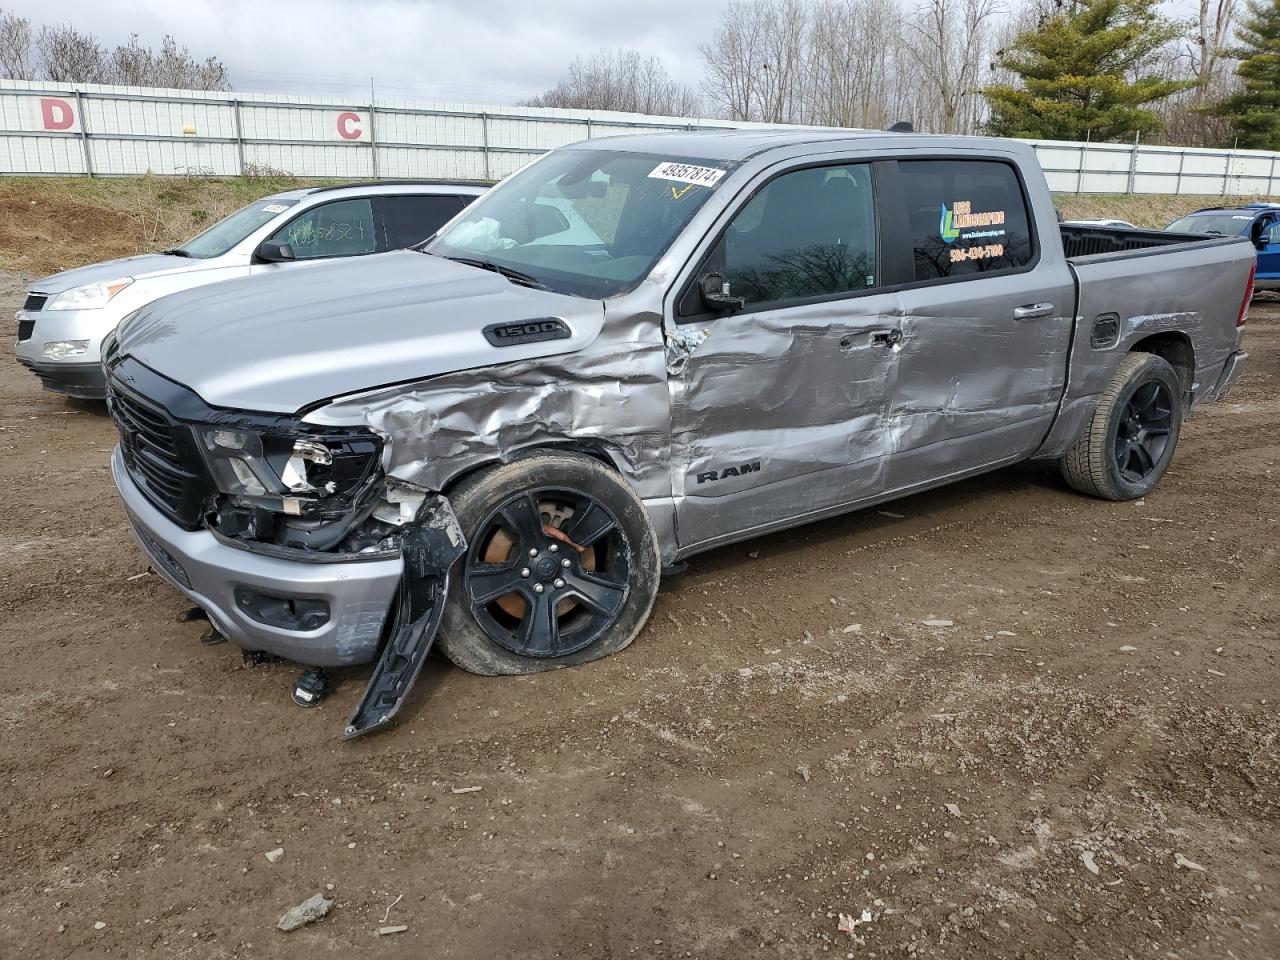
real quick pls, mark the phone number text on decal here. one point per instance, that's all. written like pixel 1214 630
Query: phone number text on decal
pixel 983 251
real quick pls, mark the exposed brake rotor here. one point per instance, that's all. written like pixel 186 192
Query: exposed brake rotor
pixel 554 514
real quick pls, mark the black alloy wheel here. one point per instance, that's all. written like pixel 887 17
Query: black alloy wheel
pixel 547 572
pixel 1143 431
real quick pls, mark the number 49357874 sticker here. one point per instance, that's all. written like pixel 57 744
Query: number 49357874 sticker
pixel 687 173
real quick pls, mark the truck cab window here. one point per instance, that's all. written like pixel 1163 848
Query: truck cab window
pixel 343 228
pixel 966 217
pixel 810 233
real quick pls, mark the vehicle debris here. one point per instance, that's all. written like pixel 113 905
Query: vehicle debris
pixel 849 924
pixel 309 911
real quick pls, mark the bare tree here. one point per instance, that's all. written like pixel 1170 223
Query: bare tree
pixel 854 66
pixel 66 55
pixel 951 40
pixel 171 66
pixel 620 80
pixel 1213 36
pixel 15 47
pixel 756 65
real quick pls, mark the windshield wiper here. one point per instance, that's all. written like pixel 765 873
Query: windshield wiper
pixel 515 276
pixel 176 252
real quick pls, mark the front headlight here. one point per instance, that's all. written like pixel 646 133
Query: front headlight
pixel 61 349
pixel 91 296
pixel 282 472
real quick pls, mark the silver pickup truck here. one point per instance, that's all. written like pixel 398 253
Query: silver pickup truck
pixel 631 351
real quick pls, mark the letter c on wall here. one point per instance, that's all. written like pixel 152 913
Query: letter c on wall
pixel 347 128
pixel 56 114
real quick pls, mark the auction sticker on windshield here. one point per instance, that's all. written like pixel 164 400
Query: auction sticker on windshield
pixel 275 208
pixel 687 173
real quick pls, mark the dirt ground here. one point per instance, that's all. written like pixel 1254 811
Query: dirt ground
pixel 1003 720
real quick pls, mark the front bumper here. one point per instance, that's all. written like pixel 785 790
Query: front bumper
pixel 85 381
pixel 359 593
pixel 79 376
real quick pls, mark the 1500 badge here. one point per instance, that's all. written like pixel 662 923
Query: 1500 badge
pixel 527 331
pixel 739 470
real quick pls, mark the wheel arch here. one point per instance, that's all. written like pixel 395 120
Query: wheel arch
pixel 595 450
pixel 1176 349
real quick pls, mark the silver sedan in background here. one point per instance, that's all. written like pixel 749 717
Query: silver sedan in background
pixel 65 316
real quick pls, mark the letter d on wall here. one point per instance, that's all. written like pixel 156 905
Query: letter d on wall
pixel 56 114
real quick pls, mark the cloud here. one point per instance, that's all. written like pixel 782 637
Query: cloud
pixel 497 51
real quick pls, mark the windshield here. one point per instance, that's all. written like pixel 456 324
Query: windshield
pixel 591 223
pixel 226 233
pixel 1222 224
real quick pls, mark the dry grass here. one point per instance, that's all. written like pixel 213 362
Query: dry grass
pixel 49 224
pixel 1154 210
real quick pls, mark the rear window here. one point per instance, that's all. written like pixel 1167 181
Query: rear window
pixel 1216 224
pixel 411 219
pixel 966 217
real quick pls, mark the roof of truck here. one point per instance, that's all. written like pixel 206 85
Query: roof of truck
pixel 739 145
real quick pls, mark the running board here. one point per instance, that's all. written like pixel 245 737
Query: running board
pixel 430 551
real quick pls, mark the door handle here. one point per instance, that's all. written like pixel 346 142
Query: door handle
pixel 887 338
pixel 1033 311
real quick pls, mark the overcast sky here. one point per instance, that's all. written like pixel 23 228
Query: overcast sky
pixel 477 50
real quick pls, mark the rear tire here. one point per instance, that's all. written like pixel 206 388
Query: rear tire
pixel 1129 443
pixel 567 527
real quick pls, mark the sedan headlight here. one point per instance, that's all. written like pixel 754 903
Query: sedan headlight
pixel 61 349
pixel 92 296
pixel 285 473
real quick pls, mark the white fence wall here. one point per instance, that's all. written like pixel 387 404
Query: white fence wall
pixel 104 130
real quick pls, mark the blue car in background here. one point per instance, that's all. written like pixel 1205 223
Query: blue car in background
pixel 1260 222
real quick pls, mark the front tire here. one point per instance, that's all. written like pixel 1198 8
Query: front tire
pixel 561 568
pixel 1129 443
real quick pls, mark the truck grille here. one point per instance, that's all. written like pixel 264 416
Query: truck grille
pixel 159 454
pixel 35 302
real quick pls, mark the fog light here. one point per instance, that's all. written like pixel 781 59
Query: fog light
pixel 61 349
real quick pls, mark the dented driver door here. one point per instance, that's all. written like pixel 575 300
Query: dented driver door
pixel 777 407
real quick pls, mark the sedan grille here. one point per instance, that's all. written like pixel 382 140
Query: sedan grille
pixel 35 302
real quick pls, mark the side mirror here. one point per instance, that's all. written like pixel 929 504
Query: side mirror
pixel 716 296
pixel 271 252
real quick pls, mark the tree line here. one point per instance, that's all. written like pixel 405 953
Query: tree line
pixel 1100 70
pixel 63 54
pixel 1049 69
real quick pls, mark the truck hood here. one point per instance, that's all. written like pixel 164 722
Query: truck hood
pixel 144 265
pixel 284 341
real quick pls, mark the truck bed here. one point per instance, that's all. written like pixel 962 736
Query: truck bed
pixel 1090 241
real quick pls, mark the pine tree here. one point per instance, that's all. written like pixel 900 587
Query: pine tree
pixel 1254 112
pixel 1077 74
